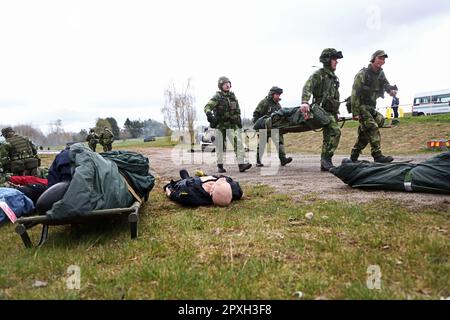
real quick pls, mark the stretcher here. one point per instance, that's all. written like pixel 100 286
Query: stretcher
pixel 306 127
pixel 25 223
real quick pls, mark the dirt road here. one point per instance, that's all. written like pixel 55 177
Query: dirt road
pixel 300 178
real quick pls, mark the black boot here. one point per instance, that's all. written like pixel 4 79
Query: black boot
pixel 220 168
pixel 354 157
pixel 184 174
pixel 244 166
pixel 326 164
pixel 285 161
pixel 382 159
pixel 258 160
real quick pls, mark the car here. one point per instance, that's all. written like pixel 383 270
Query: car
pixel 149 138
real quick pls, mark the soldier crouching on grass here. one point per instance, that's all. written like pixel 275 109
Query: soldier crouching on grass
pixel 223 114
pixel 21 154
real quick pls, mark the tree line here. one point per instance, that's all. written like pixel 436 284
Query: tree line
pixel 57 136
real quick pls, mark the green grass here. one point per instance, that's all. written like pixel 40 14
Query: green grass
pixel 160 142
pixel 409 137
pixel 262 247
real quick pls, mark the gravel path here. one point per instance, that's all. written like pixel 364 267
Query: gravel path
pixel 299 178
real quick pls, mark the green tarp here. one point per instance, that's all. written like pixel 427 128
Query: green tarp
pixel 97 184
pixel 432 175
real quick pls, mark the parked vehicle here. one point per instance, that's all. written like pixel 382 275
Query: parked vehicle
pixel 429 103
pixel 206 140
pixel 149 138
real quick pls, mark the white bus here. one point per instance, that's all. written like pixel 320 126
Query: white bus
pixel 433 102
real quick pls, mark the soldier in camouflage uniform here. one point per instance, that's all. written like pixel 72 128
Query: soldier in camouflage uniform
pixel 369 85
pixel 223 114
pixel 22 154
pixel 4 156
pixel 323 86
pixel 92 139
pixel 4 164
pixel 106 139
pixel 270 104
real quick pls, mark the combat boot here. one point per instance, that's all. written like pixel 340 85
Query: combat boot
pixel 326 164
pixel 259 164
pixel 244 166
pixel 285 161
pixel 220 168
pixel 354 157
pixel 184 174
pixel 382 159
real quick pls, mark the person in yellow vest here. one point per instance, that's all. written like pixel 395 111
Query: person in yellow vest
pixel 22 154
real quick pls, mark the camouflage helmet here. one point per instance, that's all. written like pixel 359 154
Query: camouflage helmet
pixel 6 130
pixel 276 90
pixel 221 82
pixel 378 53
pixel 329 53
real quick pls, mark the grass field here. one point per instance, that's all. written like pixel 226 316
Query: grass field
pixel 262 247
pixel 409 137
pixel 259 248
pixel 160 142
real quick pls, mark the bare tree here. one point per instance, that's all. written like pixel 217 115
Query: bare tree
pixel 35 134
pixel 57 135
pixel 179 110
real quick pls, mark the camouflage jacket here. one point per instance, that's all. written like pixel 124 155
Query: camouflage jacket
pixel 225 108
pixel 4 154
pixel 323 86
pixel 368 86
pixel 92 137
pixel 4 178
pixel 265 107
pixel 106 137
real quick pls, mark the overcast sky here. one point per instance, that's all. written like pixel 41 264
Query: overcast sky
pixel 80 60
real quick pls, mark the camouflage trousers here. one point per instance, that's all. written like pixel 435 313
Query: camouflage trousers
pixel 263 139
pixel 93 146
pixel 235 138
pixel 370 121
pixel 331 136
pixel 107 147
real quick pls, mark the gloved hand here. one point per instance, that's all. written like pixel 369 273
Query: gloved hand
pixel 210 117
